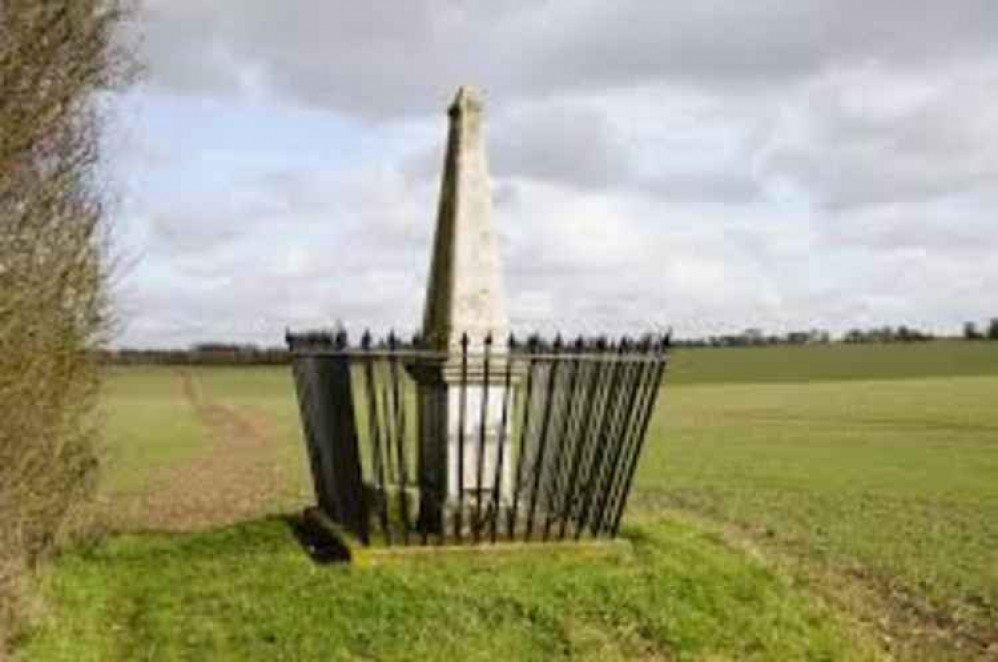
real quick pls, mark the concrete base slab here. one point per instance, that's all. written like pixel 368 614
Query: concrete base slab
pixel 350 550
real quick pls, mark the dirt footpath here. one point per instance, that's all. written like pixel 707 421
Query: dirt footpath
pixel 237 478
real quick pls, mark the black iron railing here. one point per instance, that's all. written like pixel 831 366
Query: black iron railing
pixel 526 441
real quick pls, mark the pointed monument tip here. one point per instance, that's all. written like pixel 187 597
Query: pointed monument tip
pixel 467 99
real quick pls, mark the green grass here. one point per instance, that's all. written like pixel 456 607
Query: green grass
pixel 811 363
pixel 897 478
pixel 248 593
pixel 148 425
pixel 876 465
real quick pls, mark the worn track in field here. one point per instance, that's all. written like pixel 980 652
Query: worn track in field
pixel 238 477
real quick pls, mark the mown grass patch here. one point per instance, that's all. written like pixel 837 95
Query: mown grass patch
pixel 248 592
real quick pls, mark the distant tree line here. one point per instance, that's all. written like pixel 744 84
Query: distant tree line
pixel 213 353
pixel 887 334
pixel 757 337
pixel 223 353
pixel 989 332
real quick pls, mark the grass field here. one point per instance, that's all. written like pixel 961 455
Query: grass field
pixel 831 502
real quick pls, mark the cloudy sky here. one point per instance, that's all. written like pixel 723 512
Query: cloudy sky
pixel 702 165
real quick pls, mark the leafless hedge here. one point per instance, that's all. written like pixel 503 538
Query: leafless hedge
pixel 56 58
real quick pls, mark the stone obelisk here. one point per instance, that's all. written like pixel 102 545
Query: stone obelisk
pixel 465 292
pixel 464 296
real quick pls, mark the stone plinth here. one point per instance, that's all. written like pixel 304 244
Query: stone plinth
pixel 448 463
pixel 473 441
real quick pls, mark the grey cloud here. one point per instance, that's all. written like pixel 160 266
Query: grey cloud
pixel 581 144
pixel 563 142
pixel 191 232
pixel 379 60
pixel 717 43
pixel 537 60
pixel 585 146
pixel 955 228
pixel 733 184
pixel 246 270
pixel 867 137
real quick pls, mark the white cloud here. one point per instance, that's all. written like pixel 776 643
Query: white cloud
pixel 771 164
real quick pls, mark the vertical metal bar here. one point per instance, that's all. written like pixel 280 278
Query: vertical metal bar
pixel 542 444
pixel 524 432
pixel 484 411
pixel 596 466
pixel 462 407
pixel 384 420
pixel 643 393
pixel 630 412
pixel 422 418
pixel 441 417
pixel 562 439
pixel 624 409
pixel 347 445
pixel 650 389
pixel 305 409
pixel 501 439
pixel 612 440
pixel 398 411
pixel 591 439
pixel 552 467
pixel 595 369
pixel 430 372
pixel 372 421
pixel 403 442
pixel 333 428
pixel 655 387
pixel 575 432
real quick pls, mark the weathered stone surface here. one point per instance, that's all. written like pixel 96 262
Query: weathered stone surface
pixel 465 292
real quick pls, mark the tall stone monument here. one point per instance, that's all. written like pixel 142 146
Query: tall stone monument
pixel 465 296
pixel 465 292
pixel 567 425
